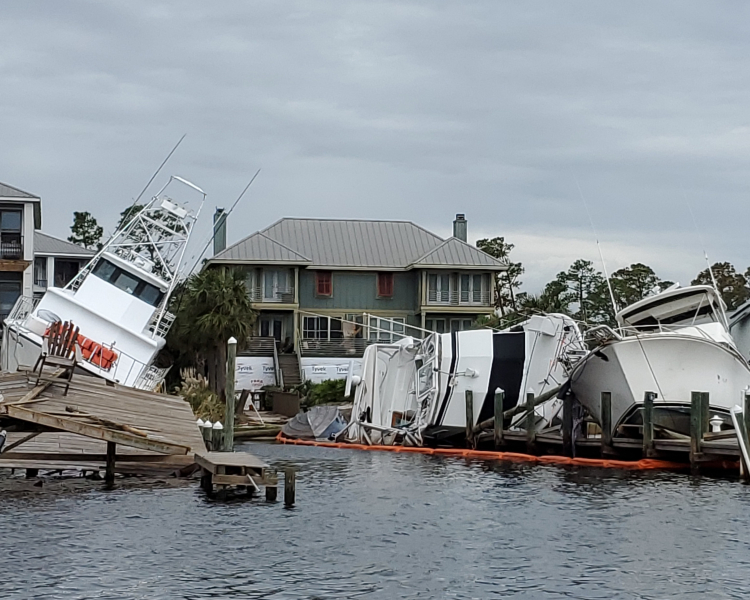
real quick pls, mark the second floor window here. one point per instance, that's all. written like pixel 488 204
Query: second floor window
pixel 474 289
pixel 385 285
pixel 323 283
pixel 275 283
pixel 438 287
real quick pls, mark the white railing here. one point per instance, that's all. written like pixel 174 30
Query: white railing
pixel 151 378
pixel 161 326
pixel 22 308
pixel 459 298
pixel 285 296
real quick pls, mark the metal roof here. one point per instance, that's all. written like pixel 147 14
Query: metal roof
pixel 260 248
pixel 354 244
pixel 457 252
pixel 8 191
pixel 46 244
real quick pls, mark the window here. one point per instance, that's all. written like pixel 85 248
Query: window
pixel 438 288
pixel 385 285
pixel 275 283
pixel 40 271
pixel 474 289
pixel 10 220
pixel 323 283
pixel 461 325
pixel 11 246
pixel 386 331
pixel 436 325
pixel 129 283
pixel 10 290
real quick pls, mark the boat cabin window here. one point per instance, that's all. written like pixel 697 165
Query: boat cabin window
pixel 127 282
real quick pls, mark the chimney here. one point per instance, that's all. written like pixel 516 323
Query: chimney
pixel 460 226
pixel 220 231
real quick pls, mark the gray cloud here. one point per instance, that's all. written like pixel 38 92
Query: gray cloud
pixel 397 110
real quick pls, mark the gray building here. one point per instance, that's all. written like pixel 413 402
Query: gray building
pixel 56 261
pixel 340 284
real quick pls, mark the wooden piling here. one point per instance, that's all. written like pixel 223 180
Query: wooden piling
pixel 272 486
pixel 31 473
pixel 705 416
pixel 530 422
pixel 696 426
pixel 648 424
pixel 290 485
pixel 228 444
pixel 605 410
pixel 567 425
pixel 109 474
pixel 207 433
pixel 217 435
pixel 498 425
pixel 469 419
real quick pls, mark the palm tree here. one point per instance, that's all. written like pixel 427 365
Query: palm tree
pixel 212 307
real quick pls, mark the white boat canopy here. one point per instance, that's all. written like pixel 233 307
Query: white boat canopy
pixel 675 307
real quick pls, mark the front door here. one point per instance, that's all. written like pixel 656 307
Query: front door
pixel 271 327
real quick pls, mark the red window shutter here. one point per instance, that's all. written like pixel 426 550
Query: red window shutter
pixel 385 285
pixel 323 283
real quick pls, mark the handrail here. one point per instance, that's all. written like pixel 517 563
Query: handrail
pixel 277 367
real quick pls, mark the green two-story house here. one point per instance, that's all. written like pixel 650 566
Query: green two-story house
pixel 321 282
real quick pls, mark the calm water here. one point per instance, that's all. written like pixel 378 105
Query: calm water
pixel 381 525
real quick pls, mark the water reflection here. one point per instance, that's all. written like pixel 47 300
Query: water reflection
pixel 382 525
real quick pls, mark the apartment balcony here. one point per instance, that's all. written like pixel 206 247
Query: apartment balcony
pixel 456 298
pixel 276 296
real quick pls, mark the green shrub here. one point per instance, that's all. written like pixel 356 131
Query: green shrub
pixel 330 391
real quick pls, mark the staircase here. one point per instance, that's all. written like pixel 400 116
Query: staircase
pixel 289 367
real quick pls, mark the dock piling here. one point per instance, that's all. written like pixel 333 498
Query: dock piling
pixel 568 447
pixel 217 434
pixel 272 489
pixel 109 474
pixel 705 415
pixel 696 426
pixel 606 422
pixel 469 419
pixel 530 421
pixel 290 486
pixel 207 433
pixel 498 419
pixel 228 444
pixel 648 424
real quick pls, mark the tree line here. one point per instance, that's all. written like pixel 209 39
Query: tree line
pixel 86 231
pixel 582 291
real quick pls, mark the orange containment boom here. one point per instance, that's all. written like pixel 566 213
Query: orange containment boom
pixel 645 464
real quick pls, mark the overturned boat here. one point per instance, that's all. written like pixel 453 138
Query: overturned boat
pixel 413 392
pixel 118 301
pixel 669 345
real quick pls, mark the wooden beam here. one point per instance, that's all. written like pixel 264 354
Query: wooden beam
pixel 72 457
pixel 16 444
pixel 95 431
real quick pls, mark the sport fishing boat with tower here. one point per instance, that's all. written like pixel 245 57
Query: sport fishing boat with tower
pixel 118 301
pixel 669 344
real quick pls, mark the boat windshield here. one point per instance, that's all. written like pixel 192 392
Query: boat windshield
pixel 127 282
pixel 674 309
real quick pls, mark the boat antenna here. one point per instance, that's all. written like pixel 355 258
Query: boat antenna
pixel 161 166
pixel 599 247
pixel 225 217
pixel 708 262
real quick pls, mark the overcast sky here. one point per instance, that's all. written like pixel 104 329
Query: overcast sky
pixel 398 110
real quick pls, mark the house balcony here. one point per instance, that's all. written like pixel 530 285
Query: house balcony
pixel 336 348
pixel 456 298
pixel 11 249
pixel 276 296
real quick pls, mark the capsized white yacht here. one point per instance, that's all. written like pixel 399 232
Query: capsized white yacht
pixel 413 392
pixel 118 300
pixel 670 344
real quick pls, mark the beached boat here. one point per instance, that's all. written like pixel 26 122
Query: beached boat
pixel 118 300
pixel 669 344
pixel 413 392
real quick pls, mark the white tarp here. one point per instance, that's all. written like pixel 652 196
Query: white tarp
pixel 253 372
pixel 317 369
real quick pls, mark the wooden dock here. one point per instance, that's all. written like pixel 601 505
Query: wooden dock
pixel 95 425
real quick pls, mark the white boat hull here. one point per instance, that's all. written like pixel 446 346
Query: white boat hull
pixel 669 364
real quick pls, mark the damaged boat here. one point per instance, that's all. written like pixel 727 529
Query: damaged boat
pixel 412 392
pixel 669 345
pixel 118 301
